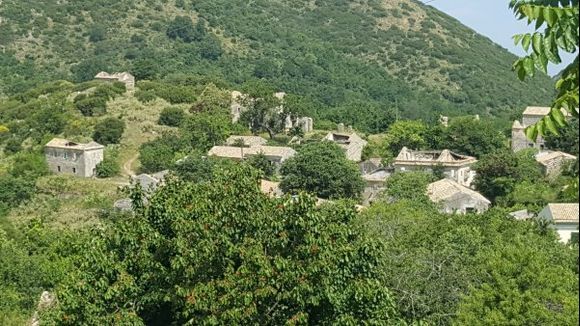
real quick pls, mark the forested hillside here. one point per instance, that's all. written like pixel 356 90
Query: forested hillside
pixel 348 60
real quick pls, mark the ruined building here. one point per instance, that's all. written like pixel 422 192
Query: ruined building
pixel 64 156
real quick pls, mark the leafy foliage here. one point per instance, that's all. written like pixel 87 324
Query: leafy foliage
pixel 171 116
pixel 322 168
pixel 109 131
pixel 556 25
pixel 266 262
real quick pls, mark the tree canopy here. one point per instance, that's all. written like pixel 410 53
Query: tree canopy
pixel 322 168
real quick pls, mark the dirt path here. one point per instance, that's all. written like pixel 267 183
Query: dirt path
pixel 127 170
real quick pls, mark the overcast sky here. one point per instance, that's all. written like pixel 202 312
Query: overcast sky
pixel 493 19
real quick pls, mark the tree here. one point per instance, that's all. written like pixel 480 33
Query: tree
pixel 181 27
pixel 556 25
pixel 439 265
pixel 409 186
pixel 469 136
pixel 403 133
pixel 145 69
pixel 109 131
pixel 521 284
pixel 171 116
pixel 263 261
pixel 160 154
pixel 263 111
pixel 500 171
pixel 204 130
pixel 322 168
pixel 261 162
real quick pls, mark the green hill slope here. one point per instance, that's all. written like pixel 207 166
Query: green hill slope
pixel 347 59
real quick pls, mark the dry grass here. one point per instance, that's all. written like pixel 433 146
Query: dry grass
pixel 69 202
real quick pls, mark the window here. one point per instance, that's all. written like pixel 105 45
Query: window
pixel 75 170
pixel 65 155
pixel 58 168
pixel 469 210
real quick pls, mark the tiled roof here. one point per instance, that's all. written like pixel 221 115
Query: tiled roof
pixel 248 140
pixel 236 152
pixel 536 110
pixel 564 212
pixel 446 188
pixel 64 143
pixel 545 157
pixel 542 111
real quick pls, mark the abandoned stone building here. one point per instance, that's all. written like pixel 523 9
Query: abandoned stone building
pixel 275 154
pixel 374 184
pixel 553 162
pixel 64 156
pixel 530 116
pixel 455 198
pixel 349 141
pixel 123 77
pixel 453 166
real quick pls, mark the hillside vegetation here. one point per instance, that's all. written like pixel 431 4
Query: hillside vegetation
pixel 347 60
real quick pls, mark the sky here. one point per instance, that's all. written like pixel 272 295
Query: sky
pixel 493 19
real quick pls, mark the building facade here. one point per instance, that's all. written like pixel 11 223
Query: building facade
pixel 553 162
pixel 66 157
pixel 453 166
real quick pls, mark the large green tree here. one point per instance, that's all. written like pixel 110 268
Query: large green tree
pixel 221 252
pixel 322 168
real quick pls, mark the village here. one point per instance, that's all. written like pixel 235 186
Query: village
pixel 454 192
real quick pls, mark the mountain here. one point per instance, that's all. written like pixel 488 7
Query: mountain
pixel 347 60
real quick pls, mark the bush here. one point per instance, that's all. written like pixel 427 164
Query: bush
pixel 109 166
pixel 171 116
pixel 13 145
pixel 109 131
pixel 90 105
pixel 145 96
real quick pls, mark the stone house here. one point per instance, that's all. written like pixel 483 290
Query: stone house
pixel 455 198
pixel 564 218
pixel 350 142
pixel 275 154
pixel 454 166
pixel 64 156
pixel 552 162
pixel 123 77
pixel 374 184
pixel 530 116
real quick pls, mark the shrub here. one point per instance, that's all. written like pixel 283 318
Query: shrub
pixel 109 131
pixel 145 96
pixel 90 105
pixel 109 166
pixel 171 116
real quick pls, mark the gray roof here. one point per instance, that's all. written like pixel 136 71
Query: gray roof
pixel 67 144
pixel 446 188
